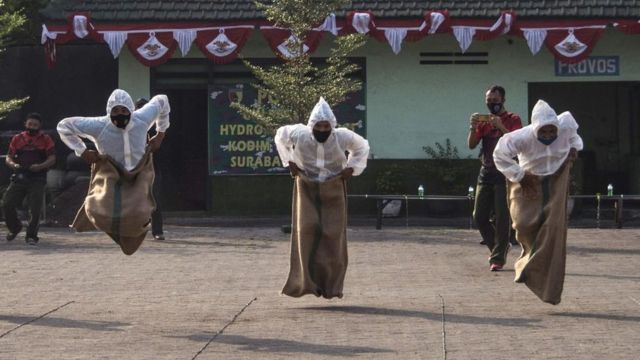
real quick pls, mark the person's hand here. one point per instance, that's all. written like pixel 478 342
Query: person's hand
pixel 36 168
pixel 155 142
pixel 294 169
pixel 496 122
pixel 346 173
pixel 573 154
pixel 529 185
pixel 474 120
pixel 90 156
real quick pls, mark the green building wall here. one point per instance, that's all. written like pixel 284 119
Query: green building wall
pixel 411 105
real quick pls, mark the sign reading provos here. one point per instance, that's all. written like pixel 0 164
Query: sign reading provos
pixel 591 66
pixel 241 147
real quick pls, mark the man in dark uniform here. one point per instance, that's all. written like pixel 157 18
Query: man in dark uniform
pixel 31 154
pixel 491 193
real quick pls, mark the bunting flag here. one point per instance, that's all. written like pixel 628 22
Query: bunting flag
pixel 222 45
pixel 629 27
pixel 280 41
pixel 569 42
pixel 467 30
pixel 153 44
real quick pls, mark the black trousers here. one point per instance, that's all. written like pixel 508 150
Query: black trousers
pixel 156 216
pixel 33 189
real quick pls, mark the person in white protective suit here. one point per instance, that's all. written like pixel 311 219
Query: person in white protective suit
pixel 120 199
pixel 538 193
pixel 121 133
pixel 315 154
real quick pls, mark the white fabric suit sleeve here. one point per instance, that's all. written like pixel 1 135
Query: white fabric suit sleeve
pixel 157 109
pixel 72 129
pixel 569 123
pixel 503 156
pixel 284 144
pixel 358 148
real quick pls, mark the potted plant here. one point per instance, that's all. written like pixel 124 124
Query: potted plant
pixel 390 182
pixel 447 173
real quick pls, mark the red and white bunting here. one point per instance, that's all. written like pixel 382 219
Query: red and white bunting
pixel 153 44
pixel 569 42
pixel 222 45
pixel 395 32
pixel 466 30
pixel 151 48
pixel 281 40
pixel 629 27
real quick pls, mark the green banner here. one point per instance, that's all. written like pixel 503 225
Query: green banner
pixel 241 147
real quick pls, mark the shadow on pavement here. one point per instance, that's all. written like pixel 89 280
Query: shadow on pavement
pixel 576 250
pixel 286 346
pixel 65 323
pixel 598 316
pixel 608 276
pixel 465 319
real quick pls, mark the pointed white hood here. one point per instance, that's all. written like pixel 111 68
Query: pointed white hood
pixel 120 97
pixel 543 115
pixel 322 112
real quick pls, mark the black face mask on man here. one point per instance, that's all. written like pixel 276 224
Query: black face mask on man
pixel 120 120
pixel 494 108
pixel 321 136
pixel 32 132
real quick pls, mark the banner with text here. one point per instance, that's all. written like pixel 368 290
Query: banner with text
pixel 241 147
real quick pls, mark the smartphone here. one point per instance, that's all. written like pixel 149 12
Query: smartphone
pixel 484 117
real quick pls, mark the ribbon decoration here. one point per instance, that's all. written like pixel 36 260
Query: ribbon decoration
pixel 569 42
pixel 466 30
pixel 222 45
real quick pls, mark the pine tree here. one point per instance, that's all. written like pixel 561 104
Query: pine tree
pixel 294 86
pixel 10 21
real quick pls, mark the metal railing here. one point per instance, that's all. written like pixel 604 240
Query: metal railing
pixel 383 200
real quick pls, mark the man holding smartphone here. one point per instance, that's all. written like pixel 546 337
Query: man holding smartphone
pixel 491 193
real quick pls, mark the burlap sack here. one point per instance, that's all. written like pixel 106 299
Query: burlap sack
pixel 541 228
pixel 318 238
pixel 119 202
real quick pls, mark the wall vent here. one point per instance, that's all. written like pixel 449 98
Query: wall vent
pixel 454 58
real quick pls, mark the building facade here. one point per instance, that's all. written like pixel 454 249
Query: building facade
pixel 415 96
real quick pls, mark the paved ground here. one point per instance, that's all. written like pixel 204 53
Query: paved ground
pixel 213 293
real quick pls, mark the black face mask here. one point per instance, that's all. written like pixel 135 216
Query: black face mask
pixel 321 136
pixel 495 108
pixel 32 132
pixel 121 120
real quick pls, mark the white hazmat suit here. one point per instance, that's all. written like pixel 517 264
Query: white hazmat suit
pixel 322 161
pixel 126 146
pixel 534 156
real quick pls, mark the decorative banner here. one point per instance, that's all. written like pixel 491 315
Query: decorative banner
pixel 241 147
pixel 153 44
pixel 629 27
pixel 569 42
pixel 185 39
pixel 396 32
pixel 466 30
pixel 279 39
pixel 152 49
pixel 115 40
pixel 222 45
pixel 238 146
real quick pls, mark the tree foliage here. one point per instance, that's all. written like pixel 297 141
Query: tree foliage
pixel 10 22
pixel 294 86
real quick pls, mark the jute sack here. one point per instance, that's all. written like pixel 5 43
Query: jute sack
pixel 119 202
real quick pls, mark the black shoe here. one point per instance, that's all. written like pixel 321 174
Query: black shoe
pixel 158 237
pixel 483 242
pixel 32 240
pixel 11 236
